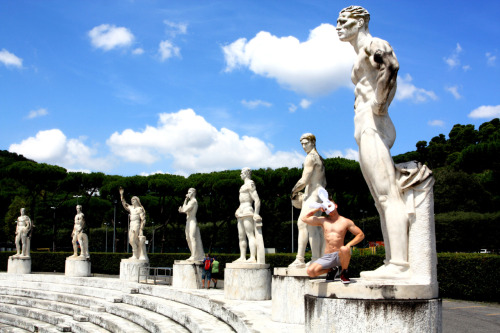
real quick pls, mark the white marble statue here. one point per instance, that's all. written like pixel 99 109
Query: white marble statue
pixel 137 222
pixel 313 178
pixel 374 74
pixel 79 236
pixel 249 221
pixel 23 235
pixel 193 236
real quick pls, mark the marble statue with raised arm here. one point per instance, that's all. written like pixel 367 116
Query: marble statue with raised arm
pixel 313 178
pixel 79 235
pixel 137 221
pixel 374 75
pixel 249 221
pixel 23 229
pixel 193 237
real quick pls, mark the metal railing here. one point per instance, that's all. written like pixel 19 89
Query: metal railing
pixel 158 275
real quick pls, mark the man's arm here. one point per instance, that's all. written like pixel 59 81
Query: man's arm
pixel 309 164
pixel 313 220
pixel 358 233
pixel 383 58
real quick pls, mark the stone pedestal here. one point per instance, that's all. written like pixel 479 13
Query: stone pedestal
pixel 77 266
pixel 129 269
pixel 187 274
pixel 248 282
pixel 19 265
pixel 288 289
pixel 369 306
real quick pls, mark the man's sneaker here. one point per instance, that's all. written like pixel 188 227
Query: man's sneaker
pixel 344 276
pixel 330 276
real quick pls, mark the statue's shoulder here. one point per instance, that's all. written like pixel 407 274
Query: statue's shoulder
pixel 379 44
pixel 313 158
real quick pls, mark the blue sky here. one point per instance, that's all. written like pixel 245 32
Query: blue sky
pixel 138 87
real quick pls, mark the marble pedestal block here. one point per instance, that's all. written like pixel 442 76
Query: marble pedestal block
pixel 79 267
pixel 248 282
pixel 370 306
pixel 19 265
pixel 129 269
pixel 288 289
pixel 187 274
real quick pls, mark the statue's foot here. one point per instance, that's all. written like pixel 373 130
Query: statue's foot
pixel 388 272
pixel 74 255
pixel 190 258
pixel 240 259
pixel 298 263
pixel 251 261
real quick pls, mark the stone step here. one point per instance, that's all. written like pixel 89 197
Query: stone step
pixel 28 324
pixel 4 328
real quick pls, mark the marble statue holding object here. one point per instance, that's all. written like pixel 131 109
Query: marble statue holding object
pixel 249 221
pixel 79 236
pixel 23 235
pixel 193 236
pixel 313 178
pixel 137 216
pixel 374 75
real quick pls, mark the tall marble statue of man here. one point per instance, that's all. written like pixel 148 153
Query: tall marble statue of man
pixel 79 235
pixel 249 221
pixel 374 74
pixel 313 178
pixel 137 221
pixel 193 237
pixel 23 229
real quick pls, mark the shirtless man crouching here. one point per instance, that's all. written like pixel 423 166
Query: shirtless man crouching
pixel 336 253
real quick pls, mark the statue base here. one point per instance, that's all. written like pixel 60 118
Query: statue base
pixel 289 286
pixel 187 274
pixel 129 269
pixel 368 315
pixel 19 265
pixel 248 282
pixel 77 266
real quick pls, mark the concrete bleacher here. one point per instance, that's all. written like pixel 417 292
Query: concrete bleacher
pixel 55 303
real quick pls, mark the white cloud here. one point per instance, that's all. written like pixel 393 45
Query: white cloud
pixel 453 60
pixel 175 28
pixel 454 91
pixel 349 153
pixel 436 122
pixel 53 147
pixel 255 103
pixel 37 113
pixel 138 51
pixel 486 111
pixel 292 107
pixel 168 50
pixel 10 59
pixel 491 59
pixel 194 145
pixel 304 103
pixel 406 90
pixel 317 66
pixel 108 37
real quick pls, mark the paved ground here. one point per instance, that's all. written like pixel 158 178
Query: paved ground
pixel 465 317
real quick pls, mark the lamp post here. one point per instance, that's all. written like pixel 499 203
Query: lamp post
pixel 54 231
pixel 114 228
pixel 77 197
pixel 153 223
pixel 106 224
pixel 363 212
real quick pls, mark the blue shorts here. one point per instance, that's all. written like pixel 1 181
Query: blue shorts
pixel 206 275
pixel 329 260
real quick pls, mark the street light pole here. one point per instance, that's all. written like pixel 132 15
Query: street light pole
pixel 77 197
pixel 106 224
pixel 114 229
pixel 54 231
pixel 152 222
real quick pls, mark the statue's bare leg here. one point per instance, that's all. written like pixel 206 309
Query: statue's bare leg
pixel 249 225
pixel 18 244
pixel 189 238
pixel 242 242
pixel 75 246
pixel 379 172
pixel 315 241
pixel 301 244
pixel 134 242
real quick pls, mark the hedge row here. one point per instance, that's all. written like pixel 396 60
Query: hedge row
pixel 460 275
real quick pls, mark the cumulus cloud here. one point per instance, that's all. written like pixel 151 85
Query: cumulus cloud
pixel 10 59
pixel 37 113
pixel 454 91
pixel 491 59
pixel 348 153
pixel 194 145
pixel 406 90
pixel 53 147
pixel 175 29
pixel 168 50
pixel 304 103
pixel 317 66
pixel 255 103
pixel 108 37
pixel 486 111
pixel 436 122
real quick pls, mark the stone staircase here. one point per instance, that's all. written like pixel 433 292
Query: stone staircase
pixel 55 303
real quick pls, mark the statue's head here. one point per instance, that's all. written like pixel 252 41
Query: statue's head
pixel 78 208
pixel 308 142
pixel 350 21
pixel 23 211
pixel 136 202
pixel 246 173
pixel 192 192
